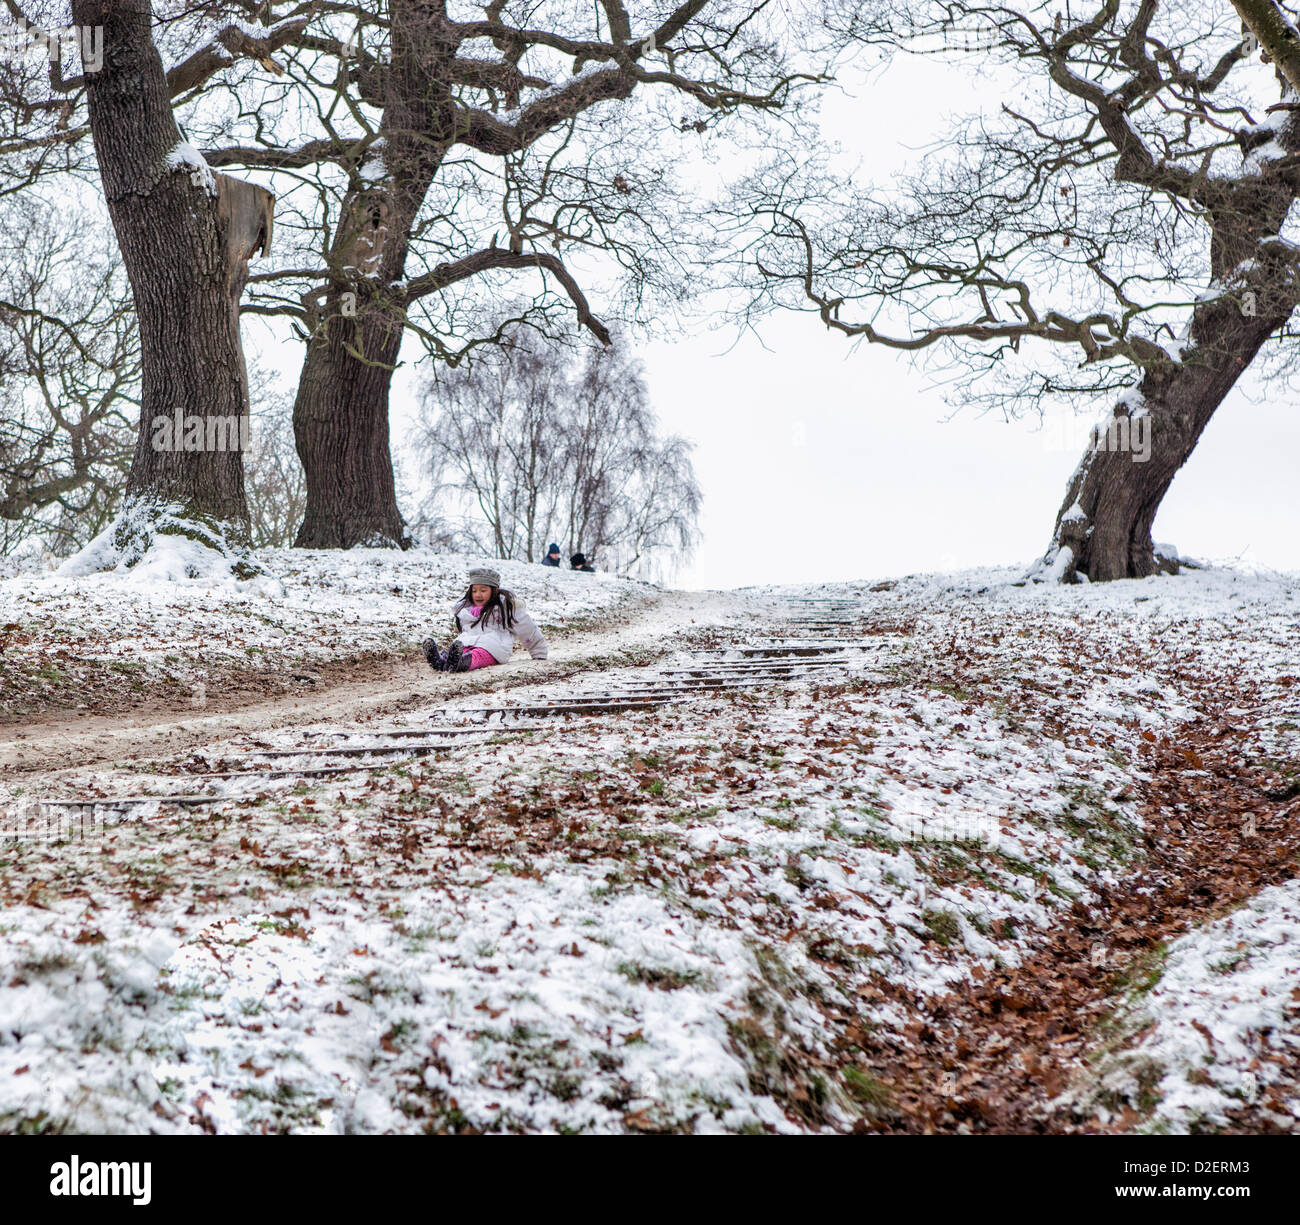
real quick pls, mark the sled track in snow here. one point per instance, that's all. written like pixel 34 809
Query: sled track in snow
pixel 354 749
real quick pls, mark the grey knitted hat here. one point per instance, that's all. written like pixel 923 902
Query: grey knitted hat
pixel 483 576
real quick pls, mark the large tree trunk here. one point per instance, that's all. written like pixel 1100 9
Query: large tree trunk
pixel 185 248
pixel 1103 529
pixel 340 417
pixel 340 422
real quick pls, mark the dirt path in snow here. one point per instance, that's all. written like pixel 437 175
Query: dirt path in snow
pixel 61 744
pixel 1011 1055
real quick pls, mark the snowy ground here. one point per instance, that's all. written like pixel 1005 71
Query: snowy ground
pixel 102 639
pixel 670 919
pixel 1219 1028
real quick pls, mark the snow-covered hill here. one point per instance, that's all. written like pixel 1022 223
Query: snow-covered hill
pixel 744 910
pixel 91 641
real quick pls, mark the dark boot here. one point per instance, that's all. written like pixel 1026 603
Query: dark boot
pixel 437 660
pixel 455 656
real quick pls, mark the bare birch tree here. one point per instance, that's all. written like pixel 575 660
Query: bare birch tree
pixel 535 444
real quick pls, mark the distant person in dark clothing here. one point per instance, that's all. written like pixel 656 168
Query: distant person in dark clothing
pixel 552 557
pixel 579 562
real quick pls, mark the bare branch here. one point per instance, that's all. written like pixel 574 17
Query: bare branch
pixel 233 43
pixel 1276 35
pixel 496 257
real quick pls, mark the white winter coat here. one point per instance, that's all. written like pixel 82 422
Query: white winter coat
pixel 498 641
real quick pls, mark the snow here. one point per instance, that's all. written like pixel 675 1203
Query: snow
pixel 611 924
pixel 1173 349
pixel 168 559
pixel 1052 568
pixel 1134 401
pixel 150 544
pixel 1271 150
pixel 471 50
pixel 186 157
pixel 1221 1024
pixel 176 613
pixel 255 31
pixel 589 69
pixel 373 170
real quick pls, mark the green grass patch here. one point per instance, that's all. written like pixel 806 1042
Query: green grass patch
pixel 873 1095
pixel 943 926
pixel 659 977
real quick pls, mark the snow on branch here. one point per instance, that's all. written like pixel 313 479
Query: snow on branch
pixel 185 157
pixel 237 41
pixel 1278 37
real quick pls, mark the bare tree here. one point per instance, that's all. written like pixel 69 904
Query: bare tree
pixel 437 161
pixel 533 445
pixel 1127 205
pixel 273 477
pixel 494 424
pixel 657 524
pixel 185 236
pixel 630 494
pixel 430 162
pixel 69 373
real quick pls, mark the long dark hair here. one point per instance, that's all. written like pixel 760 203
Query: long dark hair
pixel 501 605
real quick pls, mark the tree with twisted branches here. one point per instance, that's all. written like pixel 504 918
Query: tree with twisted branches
pixel 70 376
pixel 1120 229
pixel 184 234
pixel 442 161
pixel 424 162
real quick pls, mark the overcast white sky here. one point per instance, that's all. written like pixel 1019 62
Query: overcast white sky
pixel 820 461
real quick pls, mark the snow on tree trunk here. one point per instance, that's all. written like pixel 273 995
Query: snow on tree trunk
pixel 1103 528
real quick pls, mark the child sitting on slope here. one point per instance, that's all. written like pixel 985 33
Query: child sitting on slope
pixel 489 622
